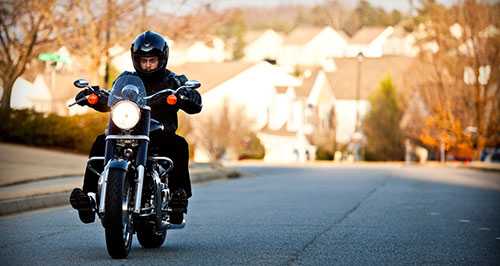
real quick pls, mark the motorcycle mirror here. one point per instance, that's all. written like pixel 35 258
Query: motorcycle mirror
pixel 193 84
pixel 81 83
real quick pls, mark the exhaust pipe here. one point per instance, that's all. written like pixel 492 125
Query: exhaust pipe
pixel 177 226
pixel 167 225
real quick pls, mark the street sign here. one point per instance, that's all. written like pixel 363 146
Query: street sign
pixel 53 57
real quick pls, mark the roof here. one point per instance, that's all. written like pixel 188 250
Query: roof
pixel 373 70
pixel 343 35
pixel 251 36
pixel 302 35
pixel 183 44
pixel 366 35
pixel 282 131
pixel 211 74
pixel 399 32
pixel 308 82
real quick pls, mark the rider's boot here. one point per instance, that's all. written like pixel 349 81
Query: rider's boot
pixel 84 204
pixel 178 205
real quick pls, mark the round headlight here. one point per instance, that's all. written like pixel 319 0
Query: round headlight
pixel 125 114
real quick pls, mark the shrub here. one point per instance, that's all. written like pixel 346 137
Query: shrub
pixel 252 148
pixel 74 133
pixel 323 154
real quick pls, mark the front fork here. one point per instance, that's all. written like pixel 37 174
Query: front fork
pixel 138 189
pixel 141 158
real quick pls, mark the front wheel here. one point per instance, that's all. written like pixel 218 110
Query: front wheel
pixel 150 238
pixel 118 228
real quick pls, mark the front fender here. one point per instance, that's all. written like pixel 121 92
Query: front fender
pixel 119 164
pixel 113 164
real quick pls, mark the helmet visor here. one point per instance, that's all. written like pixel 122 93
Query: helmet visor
pixel 148 63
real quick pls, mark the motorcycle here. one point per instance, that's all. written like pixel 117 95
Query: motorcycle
pixel 133 194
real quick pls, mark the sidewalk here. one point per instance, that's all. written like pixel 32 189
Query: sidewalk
pixel 32 178
pixel 476 165
pixel 20 164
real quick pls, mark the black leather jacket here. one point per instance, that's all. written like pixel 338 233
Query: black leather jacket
pixel 163 112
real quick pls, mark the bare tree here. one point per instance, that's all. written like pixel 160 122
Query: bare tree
pixel 102 24
pixel 338 14
pixel 200 23
pixel 87 28
pixel 460 66
pixel 222 131
pixel 25 28
pixel 98 26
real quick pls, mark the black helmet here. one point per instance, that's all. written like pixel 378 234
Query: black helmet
pixel 149 43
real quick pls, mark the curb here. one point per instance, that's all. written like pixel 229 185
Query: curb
pixel 18 205
pixel 33 203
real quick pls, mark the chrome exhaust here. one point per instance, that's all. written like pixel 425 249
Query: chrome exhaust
pixel 177 226
pixel 169 226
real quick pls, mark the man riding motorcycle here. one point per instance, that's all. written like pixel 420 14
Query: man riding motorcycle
pixel 150 53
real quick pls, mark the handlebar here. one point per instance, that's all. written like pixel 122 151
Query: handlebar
pixel 79 101
pixel 93 91
pixel 153 97
pixel 192 84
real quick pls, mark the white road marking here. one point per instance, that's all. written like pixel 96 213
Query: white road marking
pixel 464 221
pixel 484 229
pixel 434 213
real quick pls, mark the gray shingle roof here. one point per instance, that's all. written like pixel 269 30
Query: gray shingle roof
pixel 373 70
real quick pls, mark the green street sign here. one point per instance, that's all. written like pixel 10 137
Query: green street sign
pixel 53 57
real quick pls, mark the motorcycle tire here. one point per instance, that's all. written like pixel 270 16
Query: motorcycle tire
pixel 118 229
pixel 150 238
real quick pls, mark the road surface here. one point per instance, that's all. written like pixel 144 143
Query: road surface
pixel 279 215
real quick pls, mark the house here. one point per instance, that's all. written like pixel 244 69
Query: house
pixel 319 99
pixel 310 122
pixel 344 80
pixel 400 43
pixel 211 50
pixel 262 45
pixel 27 95
pixel 370 41
pixel 282 145
pixel 312 46
pixel 275 101
pixel 52 89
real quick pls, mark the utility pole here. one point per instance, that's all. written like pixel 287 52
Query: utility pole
pixel 357 136
pixel 358 91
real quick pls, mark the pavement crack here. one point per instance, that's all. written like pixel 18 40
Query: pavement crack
pixel 294 258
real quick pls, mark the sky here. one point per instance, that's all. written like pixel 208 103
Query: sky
pixel 176 7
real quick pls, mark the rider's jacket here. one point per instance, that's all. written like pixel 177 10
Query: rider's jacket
pixel 166 114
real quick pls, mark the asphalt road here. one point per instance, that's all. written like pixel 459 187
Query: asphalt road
pixel 370 215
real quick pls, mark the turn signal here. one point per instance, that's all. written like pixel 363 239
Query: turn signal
pixel 171 99
pixel 93 99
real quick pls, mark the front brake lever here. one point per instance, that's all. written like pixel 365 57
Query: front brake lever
pixel 79 101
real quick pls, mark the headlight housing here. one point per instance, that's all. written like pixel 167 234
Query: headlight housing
pixel 125 114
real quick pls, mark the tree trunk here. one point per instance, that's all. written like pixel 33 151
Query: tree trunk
pixel 7 93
